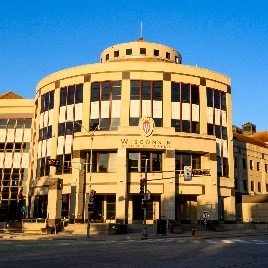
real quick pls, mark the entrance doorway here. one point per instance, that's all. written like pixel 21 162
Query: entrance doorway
pixel 138 212
pixel 97 215
pixel 186 209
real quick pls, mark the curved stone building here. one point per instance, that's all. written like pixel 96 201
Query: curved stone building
pixel 139 113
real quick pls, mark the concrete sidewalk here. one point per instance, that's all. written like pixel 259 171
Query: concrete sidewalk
pixel 200 234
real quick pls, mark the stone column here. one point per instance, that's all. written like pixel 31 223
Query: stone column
pixel 54 201
pixel 121 189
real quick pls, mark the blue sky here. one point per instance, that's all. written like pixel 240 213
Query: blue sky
pixel 40 37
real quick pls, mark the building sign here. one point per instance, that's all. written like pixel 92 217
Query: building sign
pixel 146 125
pixel 145 143
pixel 187 173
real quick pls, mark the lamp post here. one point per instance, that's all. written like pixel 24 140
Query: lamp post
pixel 90 170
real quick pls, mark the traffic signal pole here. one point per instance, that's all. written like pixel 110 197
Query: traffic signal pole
pixel 145 230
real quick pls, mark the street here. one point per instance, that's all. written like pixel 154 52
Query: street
pixel 248 251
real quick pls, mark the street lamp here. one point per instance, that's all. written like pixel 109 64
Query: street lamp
pixel 91 133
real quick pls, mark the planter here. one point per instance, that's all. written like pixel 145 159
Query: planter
pixel 116 228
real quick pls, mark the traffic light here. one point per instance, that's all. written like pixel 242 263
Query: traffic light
pixel 92 196
pixel 142 186
pixel 91 201
pixel 90 207
pixel 53 162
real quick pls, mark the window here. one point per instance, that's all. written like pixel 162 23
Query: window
pixel 129 51
pixel 167 55
pixel 258 166
pixel 105 105
pixel 103 162
pixel 68 128
pixel 66 166
pixel 225 167
pixel 137 161
pixel 146 100
pixel 143 51
pixel 111 206
pixel 235 162
pixel 186 159
pixel 71 95
pixel 156 52
pixel 107 57
pixel 266 168
pixel 245 185
pixel 42 167
pixel 251 164
pixel 185 107
pixel 116 53
pixel 252 186
pixel 259 187
pixel 47 101
pixel 244 163
pixel 267 187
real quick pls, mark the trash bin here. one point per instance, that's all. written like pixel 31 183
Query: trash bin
pixel 161 226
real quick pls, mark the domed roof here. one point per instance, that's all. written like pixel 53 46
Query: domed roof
pixel 140 50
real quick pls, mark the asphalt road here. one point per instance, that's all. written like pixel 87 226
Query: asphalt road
pixel 165 252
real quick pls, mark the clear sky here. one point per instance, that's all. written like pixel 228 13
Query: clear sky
pixel 40 37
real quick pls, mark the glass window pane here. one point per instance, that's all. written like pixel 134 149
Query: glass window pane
pixel 186 160
pixel 70 99
pixel 134 121
pixel 209 97
pixel 103 162
pixel 223 101
pixel 185 93
pixel 128 51
pixel 28 123
pixel 112 162
pixel 133 164
pixel 3 123
pixel 157 91
pixel 115 123
pixel 63 93
pixel 196 161
pixel 157 161
pixel 105 93
pixel 195 94
pixel 79 93
pixel 176 124
pixel 146 90
pixel 216 99
pixel 135 90
pixel 175 92
pixel 51 100
pixel 95 92
pixel 105 124
pixel 144 156
pixel 185 126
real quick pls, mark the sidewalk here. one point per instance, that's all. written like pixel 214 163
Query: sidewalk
pixel 200 234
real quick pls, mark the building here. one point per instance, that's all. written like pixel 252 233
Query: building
pixel 251 174
pixel 16 120
pixel 139 113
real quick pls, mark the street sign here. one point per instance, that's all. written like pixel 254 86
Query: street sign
pixel 187 173
pixel 205 214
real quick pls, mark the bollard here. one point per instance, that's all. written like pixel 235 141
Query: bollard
pixel 193 230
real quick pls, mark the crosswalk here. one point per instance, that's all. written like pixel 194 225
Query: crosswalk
pixel 173 241
pixel 200 241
